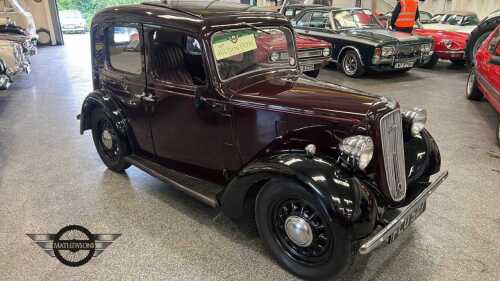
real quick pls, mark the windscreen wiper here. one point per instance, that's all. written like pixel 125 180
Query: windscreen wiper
pixel 256 28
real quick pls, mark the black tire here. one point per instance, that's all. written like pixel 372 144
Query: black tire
pixel 458 62
pixel 472 91
pixel 477 37
pixel 351 64
pixel 312 73
pixel 498 132
pixel 116 148
pixel 431 63
pixel 44 38
pixel 330 250
pixel 5 82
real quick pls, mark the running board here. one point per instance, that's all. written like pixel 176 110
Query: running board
pixel 199 189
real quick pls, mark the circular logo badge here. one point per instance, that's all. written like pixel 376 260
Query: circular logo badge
pixel 74 245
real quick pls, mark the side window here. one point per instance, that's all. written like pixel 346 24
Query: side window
pixel 125 49
pixel 289 12
pixel 305 20
pixel 175 57
pixel 320 20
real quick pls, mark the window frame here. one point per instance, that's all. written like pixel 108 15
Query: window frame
pixel 109 35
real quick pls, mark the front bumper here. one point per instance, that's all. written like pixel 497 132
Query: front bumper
pixel 317 62
pixel 401 222
pixel 389 63
pixel 450 55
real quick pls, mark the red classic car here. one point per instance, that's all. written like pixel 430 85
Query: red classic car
pixel 448 45
pixel 484 79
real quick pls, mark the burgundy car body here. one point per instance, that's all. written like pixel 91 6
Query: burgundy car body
pixel 221 140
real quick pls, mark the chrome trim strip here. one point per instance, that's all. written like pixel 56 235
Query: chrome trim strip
pixel 382 235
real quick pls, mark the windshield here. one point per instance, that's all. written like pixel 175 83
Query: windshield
pixel 462 20
pixel 355 19
pixel 241 51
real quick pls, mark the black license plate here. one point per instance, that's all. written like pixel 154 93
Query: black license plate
pixel 407 221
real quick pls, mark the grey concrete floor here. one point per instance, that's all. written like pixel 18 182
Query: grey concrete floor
pixel 50 177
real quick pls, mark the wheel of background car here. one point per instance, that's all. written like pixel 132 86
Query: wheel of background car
pixel 5 82
pixel 111 147
pixel 312 73
pixel 477 37
pixel 458 62
pixel 431 63
pixel 298 232
pixel 43 37
pixel 351 64
pixel 472 90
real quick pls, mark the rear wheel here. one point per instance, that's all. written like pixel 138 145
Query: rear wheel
pixel 5 82
pixel 111 147
pixel 472 91
pixel 458 62
pixel 351 65
pixel 299 233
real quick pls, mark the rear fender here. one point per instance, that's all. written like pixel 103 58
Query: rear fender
pixel 347 201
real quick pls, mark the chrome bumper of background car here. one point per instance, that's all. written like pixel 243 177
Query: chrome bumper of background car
pixel 383 235
pixel 314 61
pixel 393 60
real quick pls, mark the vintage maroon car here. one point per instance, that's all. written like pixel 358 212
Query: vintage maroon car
pixel 322 171
pixel 448 45
pixel 484 78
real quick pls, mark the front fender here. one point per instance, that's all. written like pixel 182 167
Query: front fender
pixel 347 201
pixel 99 99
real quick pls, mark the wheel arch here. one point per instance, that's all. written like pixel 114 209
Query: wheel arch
pixel 350 48
pixel 344 197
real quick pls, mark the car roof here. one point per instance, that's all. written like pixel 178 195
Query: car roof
pixel 195 16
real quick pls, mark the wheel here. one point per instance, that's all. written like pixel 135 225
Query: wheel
pixel 43 37
pixel 111 147
pixel 472 91
pixel 477 37
pixel 312 73
pixel 458 62
pixel 352 65
pixel 298 232
pixel 498 132
pixel 431 63
pixel 5 82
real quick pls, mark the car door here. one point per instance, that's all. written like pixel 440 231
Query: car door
pixel 191 133
pixel 492 68
pixel 125 77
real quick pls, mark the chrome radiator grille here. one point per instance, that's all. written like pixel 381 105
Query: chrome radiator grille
pixel 302 54
pixel 391 132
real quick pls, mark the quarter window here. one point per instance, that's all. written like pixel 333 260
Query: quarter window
pixel 305 20
pixel 125 49
pixel 320 20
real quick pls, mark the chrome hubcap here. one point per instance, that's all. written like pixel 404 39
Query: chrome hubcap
pixel 107 139
pixel 350 65
pixel 299 231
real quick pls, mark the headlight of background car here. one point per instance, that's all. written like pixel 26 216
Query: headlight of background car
pixel 388 51
pixel 425 48
pixel 449 44
pixel 326 52
pixel 276 56
pixel 418 118
pixel 357 151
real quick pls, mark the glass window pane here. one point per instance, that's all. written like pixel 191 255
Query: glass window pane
pixel 125 50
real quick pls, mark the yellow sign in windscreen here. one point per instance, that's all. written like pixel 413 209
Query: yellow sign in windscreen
pixel 233 44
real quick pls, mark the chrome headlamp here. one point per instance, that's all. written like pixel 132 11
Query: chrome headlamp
pixel 388 51
pixel 326 52
pixel 426 48
pixel 278 56
pixel 449 44
pixel 418 118
pixel 357 151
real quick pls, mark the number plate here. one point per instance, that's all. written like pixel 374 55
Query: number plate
pixel 305 68
pixel 407 221
pixel 400 65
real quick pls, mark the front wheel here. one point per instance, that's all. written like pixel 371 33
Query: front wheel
pixel 472 91
pixel 5 82
pixel 111 147
pixel 351 65
pixel 458 62
pixel 299 233
pixel 431 63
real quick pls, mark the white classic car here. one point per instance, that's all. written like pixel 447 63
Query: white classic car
pixel 454 21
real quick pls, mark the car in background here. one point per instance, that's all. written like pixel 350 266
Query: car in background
pixel 313 54
pixel 72 21
pixel 448 45
pixel 454 21
pixel 291 11
pixel 484 78
pixel 360 42
pixel 479 34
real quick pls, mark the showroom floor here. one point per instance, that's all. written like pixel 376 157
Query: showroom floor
pixel 50 177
